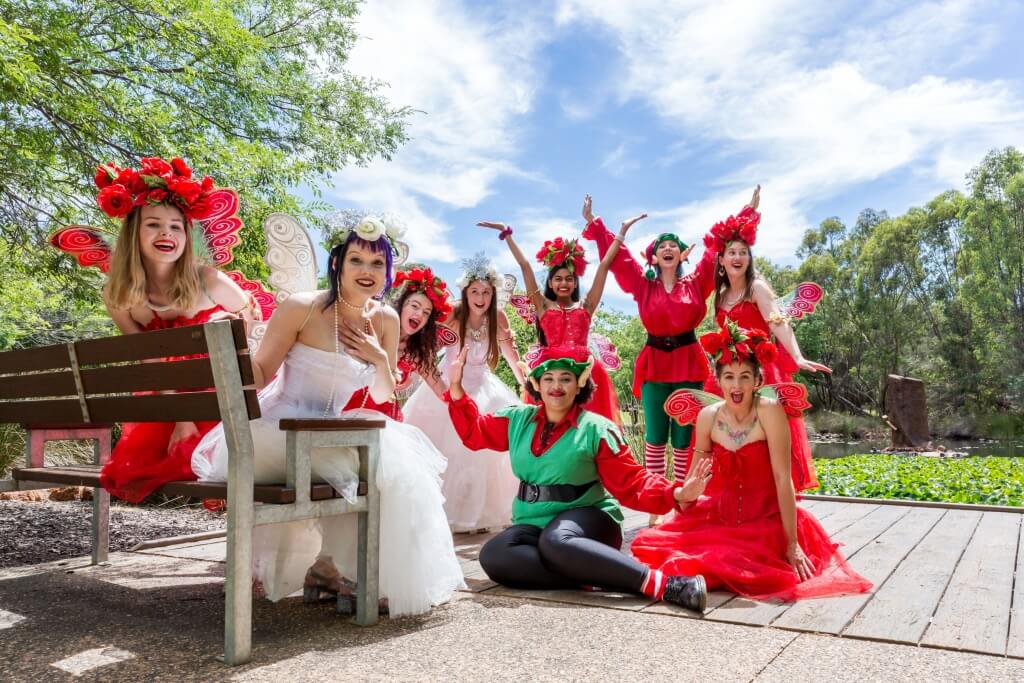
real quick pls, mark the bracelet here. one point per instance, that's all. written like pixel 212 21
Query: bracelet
pixel 619 238
pixel 505 233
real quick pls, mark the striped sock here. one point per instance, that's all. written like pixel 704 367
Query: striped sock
pixel 654 585
pixel 654 458
pixel 681 463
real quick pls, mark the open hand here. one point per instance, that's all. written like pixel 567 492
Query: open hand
pixel 492 225
pixel 627 224
pixel 361 344
pixel 801 564
pixel 755 199
pixel 588 209
pixel 811 366
pixel 696 480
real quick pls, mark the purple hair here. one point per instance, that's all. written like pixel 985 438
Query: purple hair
pixel 337 256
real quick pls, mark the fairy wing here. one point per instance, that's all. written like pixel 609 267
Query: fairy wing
pixel 532 353
pixel 221 229
pixel 524 309
pixel 605 351
pixel 801 301
pixel 290 256
pixel 506 286
pixel 683 405
pixel 446 337
pixel 85 243
pixel 792 396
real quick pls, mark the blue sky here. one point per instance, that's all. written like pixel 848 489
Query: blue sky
pixel 678 109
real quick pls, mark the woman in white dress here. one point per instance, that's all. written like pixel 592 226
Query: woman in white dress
pixel 318 349
pixel 478 485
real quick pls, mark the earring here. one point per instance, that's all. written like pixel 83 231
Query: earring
pixel 721 270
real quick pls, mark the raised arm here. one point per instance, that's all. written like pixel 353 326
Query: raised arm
pixel 529 281
pixel 601 276
pixel 624 267
pixel 477 431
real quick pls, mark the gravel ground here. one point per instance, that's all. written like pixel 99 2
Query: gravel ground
pixel 36 532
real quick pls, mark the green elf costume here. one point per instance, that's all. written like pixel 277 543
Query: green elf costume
pixel 566 520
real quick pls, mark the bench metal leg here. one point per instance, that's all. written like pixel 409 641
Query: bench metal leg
pixel 101 503
pixel 368 551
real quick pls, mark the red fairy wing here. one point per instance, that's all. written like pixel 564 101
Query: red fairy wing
pixel 605 352
pixel 792 396
pixel 85 243
pixel 446 337
pixel 801 301
pixel 255 289
pixel 523 308
pixel 683 405
pixel 532 354
pixel 222 227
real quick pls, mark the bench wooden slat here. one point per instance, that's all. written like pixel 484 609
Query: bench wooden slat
pixel 40 358
pixel 190 407
pixel 179 341
pixel 180 375
pixel 328 424
pixel 86 475
pixel 61 383
pixel 54 410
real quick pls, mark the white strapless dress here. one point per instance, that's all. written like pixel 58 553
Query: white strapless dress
pixel 478 485
pixel 418 566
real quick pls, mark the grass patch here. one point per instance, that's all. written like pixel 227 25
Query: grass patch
pixel 982 480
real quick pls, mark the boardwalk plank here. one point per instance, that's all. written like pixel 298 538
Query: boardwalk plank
pixel 858 530
pixel 875 561
pixel 1015 644
pixel 901 608
pixel 847 515
pixel 974 613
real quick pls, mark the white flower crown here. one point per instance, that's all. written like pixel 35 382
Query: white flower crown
pixel 368 227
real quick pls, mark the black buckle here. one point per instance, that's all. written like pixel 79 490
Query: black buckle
pixel 529 493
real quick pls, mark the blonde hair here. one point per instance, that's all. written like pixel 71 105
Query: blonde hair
pixel 126 283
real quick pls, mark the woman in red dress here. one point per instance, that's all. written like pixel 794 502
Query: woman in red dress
pixel 745 298
pixel 156 283
pixel 563 321
pixel 746 533
pixel 422 305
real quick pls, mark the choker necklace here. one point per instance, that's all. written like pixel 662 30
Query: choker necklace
pixel 352 306
pixel 157 308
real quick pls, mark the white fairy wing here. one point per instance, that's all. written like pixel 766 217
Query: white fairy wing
pixel 290 256
pixel 801 301
pixel 506 286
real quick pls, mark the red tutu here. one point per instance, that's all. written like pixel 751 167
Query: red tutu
pixel 747 315
pixel 733 536
pixel 140 462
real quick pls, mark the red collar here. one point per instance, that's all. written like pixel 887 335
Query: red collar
pixel 541 417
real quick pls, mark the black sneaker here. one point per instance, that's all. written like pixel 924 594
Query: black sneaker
pixel 690 592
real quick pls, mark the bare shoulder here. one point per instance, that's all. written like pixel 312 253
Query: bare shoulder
pixel 502 319
pixel 297 304
pixel 770 410
pixel 707 413
pixel 761 288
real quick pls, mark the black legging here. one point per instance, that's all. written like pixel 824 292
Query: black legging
pixel 578 547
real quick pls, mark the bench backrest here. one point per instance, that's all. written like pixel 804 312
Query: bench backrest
pixel 100 380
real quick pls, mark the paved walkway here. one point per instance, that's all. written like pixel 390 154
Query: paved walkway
pixel 158 614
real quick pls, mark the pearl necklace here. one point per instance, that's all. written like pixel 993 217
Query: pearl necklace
pixel 329 405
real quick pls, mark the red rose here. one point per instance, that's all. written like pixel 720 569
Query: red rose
pixel 155 196
pixel 105 175
pixel 207 184
pixel 115 201
pixel 181 168
pixel 155 166
pixel 712 343
pixel 766 353
pixel 188 190
pixel 130 179
pixel 557 259
pixel 200 209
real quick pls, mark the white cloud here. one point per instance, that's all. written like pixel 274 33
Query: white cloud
pixel 471 78
pixel 808 109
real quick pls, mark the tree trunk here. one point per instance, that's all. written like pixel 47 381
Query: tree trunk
pixel 907 409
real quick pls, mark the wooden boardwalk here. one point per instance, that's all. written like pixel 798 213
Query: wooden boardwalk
pixel 944 578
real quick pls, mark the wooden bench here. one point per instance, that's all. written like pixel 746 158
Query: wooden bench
pixel 78 390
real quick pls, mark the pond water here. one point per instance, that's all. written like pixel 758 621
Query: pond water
pixel 967 447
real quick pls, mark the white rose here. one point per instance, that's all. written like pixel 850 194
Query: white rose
pixel 370 229
pixel 395 230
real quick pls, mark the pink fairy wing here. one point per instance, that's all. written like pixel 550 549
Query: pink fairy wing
pixel 85 243
pixel 683 405
pixel 523 308
pixel 792 396
pixel 532 354
pixel 255 289
pixel 802 301
pixel 605 351
pixel 446 337
pixel 222 227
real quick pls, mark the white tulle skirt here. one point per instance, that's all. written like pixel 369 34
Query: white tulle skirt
pixel 478 485
pixel 418 566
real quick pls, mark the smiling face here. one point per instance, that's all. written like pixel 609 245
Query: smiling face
pixel 479 295
pixel 558 389
pixel 415 313
pixel 562 283
pixel 738 381
pixel 363 270
pixel 735 259
pixel 668 255
pixel 163 233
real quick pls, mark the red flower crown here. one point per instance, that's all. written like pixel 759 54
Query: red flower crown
pixel 561 253
pixel 434 288
pixel 742 226
pixel 733 343
pixel 156 182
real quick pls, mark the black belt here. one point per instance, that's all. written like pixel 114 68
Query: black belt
pixel 551 493
pixel 671 342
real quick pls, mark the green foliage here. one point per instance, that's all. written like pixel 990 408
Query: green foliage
pixel 252 93
pixel 984 480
